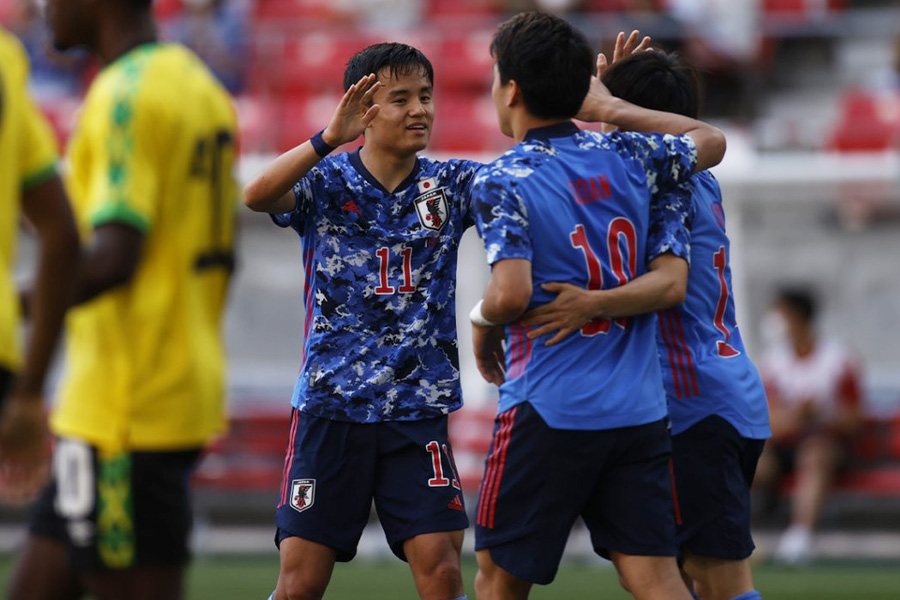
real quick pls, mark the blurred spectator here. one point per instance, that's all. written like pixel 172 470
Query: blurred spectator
pixel 813 385
pixel 52 74
pixel 217 31
pixel 888 79
pixel 722 39
pixel 382 14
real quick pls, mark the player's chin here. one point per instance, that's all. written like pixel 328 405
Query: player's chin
pixel 419 141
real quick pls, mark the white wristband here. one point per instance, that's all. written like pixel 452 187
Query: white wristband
pixel 477 318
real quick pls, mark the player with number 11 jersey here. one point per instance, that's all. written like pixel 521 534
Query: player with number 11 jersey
pixel 380 330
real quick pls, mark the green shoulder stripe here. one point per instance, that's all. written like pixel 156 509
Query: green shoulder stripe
pixel 39 176
pixel 120 213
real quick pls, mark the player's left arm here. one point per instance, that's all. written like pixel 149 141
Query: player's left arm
pixel 663 286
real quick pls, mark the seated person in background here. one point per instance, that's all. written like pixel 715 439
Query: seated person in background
pixel 813 385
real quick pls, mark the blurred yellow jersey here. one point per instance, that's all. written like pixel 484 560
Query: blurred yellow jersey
pixel 154 148
pixel 27 156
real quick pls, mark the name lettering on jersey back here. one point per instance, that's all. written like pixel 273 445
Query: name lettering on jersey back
pixel 592 189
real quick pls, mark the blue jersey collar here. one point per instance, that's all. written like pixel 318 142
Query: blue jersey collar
pixel 557 130
pixel 357 163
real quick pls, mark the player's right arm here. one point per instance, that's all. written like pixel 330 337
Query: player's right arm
pixel 271 190
pixel 601 106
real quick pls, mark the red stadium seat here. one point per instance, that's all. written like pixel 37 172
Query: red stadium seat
pixel 867 122
pixel 293 10
pixel 466 122
pixel 466 61
pixel 315 61
pixel 303 115
pixel 164 9
pixel 462 8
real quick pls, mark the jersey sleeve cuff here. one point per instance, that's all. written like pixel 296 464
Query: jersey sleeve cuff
pixel 281 219
pixel 120 213
pixel 39 176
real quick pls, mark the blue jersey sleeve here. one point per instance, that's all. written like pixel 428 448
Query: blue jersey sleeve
pixel 311 186
pixel 668 160
pixel 671 214
pixel 502 217
pixel 464 179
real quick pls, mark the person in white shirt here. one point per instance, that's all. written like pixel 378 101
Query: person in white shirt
pixel 814 390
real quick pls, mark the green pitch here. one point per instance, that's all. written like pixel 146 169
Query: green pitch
pixel 252 579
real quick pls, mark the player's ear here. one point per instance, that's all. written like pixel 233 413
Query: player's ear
pixel 512 93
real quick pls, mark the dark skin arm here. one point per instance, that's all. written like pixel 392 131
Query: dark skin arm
pixel 110 260
pixel 24 437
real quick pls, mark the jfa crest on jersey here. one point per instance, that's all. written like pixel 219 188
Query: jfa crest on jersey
pixel 303 494
pixel 380 289
pixel 431 205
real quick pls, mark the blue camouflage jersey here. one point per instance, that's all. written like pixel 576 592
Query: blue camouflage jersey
pixel 706 369
pixel 591 210
pixel 380 290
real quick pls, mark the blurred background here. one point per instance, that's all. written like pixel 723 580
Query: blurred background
pixel 808 92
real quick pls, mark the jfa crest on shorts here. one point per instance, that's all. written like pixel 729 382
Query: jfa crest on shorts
pixel 303 494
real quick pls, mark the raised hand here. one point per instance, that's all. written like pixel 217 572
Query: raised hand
pixel 354 112
pixel 624 48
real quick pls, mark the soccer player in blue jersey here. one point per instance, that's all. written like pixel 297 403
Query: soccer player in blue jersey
pixel 717 403
pixel 581 429
pixel 380 228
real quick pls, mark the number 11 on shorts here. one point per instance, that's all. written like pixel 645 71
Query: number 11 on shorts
pixel 439 480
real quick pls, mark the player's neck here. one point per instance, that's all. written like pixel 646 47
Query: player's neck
pixel 388 168
pixel 124 32
pixel 522 121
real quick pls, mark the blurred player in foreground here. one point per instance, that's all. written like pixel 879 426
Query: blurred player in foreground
pixel 153 191
pixel 581 429
pixel 29 187
pixel 380 228
pixel 717 403
pixel 815 397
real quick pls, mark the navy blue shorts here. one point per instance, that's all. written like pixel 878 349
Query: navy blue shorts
pixel 118 512
pixel 538 480
pixel 714 468
pixel 334 469
pixel 6 378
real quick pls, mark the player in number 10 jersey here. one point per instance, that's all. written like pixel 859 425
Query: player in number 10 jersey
pixel 581 426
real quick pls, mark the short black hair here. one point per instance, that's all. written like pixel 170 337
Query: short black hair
pixel 656 80
pixel 551 61
pixel 399 58
pixel 800 301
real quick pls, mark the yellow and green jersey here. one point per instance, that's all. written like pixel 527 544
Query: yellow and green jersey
pixel 27 157
pixel 154 148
